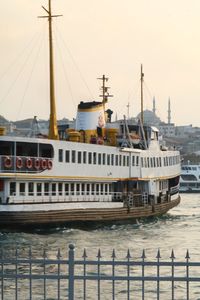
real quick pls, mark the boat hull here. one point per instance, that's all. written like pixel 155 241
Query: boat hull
pixel 55 217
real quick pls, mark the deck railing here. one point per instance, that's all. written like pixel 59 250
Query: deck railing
pixel 24 276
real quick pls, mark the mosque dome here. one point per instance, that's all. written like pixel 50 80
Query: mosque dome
pixel 149 118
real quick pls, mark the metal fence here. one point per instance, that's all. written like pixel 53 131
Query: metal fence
pixel 24 276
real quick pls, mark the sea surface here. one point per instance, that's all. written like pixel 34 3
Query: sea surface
pixel 178 230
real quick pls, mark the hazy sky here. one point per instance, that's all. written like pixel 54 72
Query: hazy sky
pixel 93 38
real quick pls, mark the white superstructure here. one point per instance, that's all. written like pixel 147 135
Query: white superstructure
pixel 190 178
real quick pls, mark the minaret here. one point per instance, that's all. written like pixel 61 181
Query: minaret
pixel 154 106
pixel 169 111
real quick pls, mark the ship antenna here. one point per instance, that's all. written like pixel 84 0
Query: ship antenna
pixel 105 93
pixel 142 81
pixel 53 129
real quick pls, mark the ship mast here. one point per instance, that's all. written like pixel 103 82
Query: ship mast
pixel 142 81
pixel 53 129
pixel 105 93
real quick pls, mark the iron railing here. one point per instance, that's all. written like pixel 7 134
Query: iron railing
pixel 24 276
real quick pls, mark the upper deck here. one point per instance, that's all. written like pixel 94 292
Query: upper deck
pixel 64 159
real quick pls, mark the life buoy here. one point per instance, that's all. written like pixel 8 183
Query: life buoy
pixel 19 163
pixel 37 164
pixel 29 163
pixel 7 162
pixel 49 164
pixel 43 164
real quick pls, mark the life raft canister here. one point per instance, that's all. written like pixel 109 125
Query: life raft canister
pixel 29 163
pixel 7 162
pixel 19 163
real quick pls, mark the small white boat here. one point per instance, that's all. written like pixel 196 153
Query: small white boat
pixel 190 178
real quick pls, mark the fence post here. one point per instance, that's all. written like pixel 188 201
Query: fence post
pixel 71 272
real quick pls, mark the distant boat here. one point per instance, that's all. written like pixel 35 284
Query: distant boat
pixel 102 171
pixel 190 178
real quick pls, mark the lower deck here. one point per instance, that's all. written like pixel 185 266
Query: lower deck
pixel 22 191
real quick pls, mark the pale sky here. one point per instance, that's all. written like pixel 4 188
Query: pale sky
pixel 93 38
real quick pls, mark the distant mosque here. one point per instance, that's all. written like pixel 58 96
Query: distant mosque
pixel 150 117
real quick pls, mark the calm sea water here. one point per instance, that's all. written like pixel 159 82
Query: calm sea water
pixel 177 230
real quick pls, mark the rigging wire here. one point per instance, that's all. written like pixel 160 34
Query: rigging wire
pixel 122 107
pixel 74 62
pixel 29 78
pixel 13 63
pixel 65 72
pixel 18 74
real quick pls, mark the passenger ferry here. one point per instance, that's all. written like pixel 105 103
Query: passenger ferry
pixel 101 171
pixel 190 178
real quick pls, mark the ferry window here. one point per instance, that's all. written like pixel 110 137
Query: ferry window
pixel 99 158
pixel 60 155
pixel 116 160
pixel 160 161
pixel 97 189
pixel 78 188
pixel 84 157
pixel 127 160
pixel 53 187
pixel 90 158
pixel 60 185
pixel 124 160
pixel 45 150
pixel 145 162
pixel 73 156
pixel 30 188
pixel 12 188
pixel 39 189
pixel 157 162
pixel 46 188
pixel 154 162
pixel 72 188
pixel 22 188
pixel 151 162
pixel 148 165
pixel 142 165
pixel 137 160
pixel 83 188
pixel 66 188
pixel 108 159
pixel 106 188
pixel 93 188
pixel 94 158
pixel 112 159
pixel 104 158
pixel 133 160
pixel 101 188
pixel 120 160
pixel 67 156
pixel 88 188
pixel 6 148
pixel 79 157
